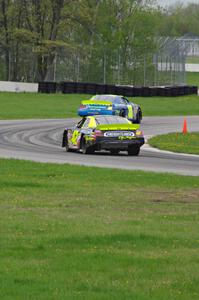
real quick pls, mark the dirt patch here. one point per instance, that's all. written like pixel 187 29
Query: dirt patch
pixel 171 196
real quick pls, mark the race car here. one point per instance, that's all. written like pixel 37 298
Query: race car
pixel 111 105
pixel 99 132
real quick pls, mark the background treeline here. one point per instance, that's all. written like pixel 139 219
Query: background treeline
pixel 86 40
pixel 180 19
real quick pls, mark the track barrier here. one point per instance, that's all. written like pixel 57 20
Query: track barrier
pixel 129 91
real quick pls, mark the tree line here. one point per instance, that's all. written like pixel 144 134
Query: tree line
pixel 86 40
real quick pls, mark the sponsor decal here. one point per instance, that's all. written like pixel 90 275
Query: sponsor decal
pixel 89 138
pixel 125 137
pixel 119 134
pixel 97 107
pixel 75 136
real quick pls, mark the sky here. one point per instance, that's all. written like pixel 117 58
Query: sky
pixel 171 2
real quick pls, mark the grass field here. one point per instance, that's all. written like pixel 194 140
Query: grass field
pixel 30 105
pixel 35 105
pixel 71 232
pixel 192 78
pixel 192 60
pixel 177 142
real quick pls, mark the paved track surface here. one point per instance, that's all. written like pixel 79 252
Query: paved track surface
pixel 40 140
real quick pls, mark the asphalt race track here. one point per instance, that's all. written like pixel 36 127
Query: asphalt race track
pixel 40 140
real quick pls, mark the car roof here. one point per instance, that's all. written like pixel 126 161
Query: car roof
pixel 106 96
pixel 104 119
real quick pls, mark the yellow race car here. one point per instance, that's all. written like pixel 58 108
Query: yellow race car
pixel 100 132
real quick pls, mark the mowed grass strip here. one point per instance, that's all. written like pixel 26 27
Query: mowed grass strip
pixel 177 142
pixel 192 60
pixel 192 78
pixel 72 232
pixel 39 105
pixel 44 106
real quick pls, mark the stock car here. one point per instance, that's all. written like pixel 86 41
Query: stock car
pixel 100 132
pixel 111 105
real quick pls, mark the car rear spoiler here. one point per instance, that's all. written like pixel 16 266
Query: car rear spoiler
pixel 96 102
pixel 118 127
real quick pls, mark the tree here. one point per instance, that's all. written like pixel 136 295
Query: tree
pixel 179 20
pixel 5 38
pixel 103 40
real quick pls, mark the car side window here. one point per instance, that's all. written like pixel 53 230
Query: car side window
pixel 119 101
pixel 86 123
pixel 126 101
pixel 81 123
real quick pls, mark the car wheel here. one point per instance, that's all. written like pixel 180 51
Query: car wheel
pixel 138 118
pixel 134 150
pixel 114 151
pixel 64 138
pixel 67 147
pixel 85 148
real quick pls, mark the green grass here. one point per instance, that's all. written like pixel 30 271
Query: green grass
pixel 192 60
pixel 177 142
pixel 192 78
pixel 72 232
pixel 169 106
pixel 35 105
pixel 32 105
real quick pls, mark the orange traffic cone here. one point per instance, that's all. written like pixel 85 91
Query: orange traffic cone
pixel 184 129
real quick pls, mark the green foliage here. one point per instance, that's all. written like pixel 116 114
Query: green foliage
pixel 180 19
pixel 25 36
pixel 97 32
pixel 103 41
pixel 127 44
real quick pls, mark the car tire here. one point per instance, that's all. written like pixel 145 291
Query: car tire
pixel 85 148
pixel 134 150
pixel 67 147
pixel 138 118
pixel 64 138
pixel 114 151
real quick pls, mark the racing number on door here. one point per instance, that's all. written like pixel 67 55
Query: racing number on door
pixel 74 138
pixel 130 112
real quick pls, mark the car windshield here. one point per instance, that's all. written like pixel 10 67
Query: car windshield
pixel 111 120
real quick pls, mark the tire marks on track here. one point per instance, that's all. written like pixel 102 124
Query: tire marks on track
pixel 40 140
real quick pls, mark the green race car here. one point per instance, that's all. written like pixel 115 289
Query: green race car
pixel 95 133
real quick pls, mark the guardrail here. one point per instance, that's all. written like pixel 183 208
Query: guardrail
pixel 129 91
pixel 11 86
